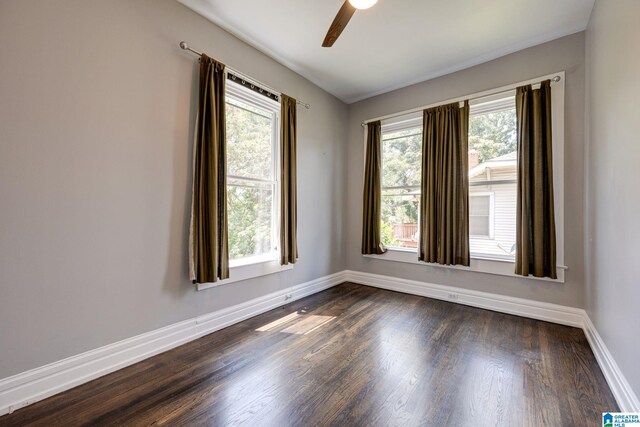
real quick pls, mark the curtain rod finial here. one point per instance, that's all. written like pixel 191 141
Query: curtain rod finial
pixel 184 45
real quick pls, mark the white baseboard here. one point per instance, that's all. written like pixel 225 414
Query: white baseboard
pixel 624 395
pixel 521 307
pixel 29 387
pixel 626 398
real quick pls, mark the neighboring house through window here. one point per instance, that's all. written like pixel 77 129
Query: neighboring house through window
pixel 493 178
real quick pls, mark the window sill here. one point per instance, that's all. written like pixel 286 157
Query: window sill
pixel 257 259
pixel 501 267
pixel 247 271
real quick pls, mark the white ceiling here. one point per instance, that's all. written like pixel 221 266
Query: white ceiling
pixel 395 43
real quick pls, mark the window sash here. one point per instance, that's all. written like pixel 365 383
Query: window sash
pixel 403 187
pixel 272 253
pixel 395 128
pixel 242 95
pixel 487 105
pixel 400 137
pixel 273 116
pixel 250 179
pixel 235 103
pixel 400 196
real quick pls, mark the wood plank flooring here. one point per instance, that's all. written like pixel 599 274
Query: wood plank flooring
pixel 352 356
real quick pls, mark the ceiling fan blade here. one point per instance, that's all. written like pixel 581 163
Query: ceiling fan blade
pixel 339 23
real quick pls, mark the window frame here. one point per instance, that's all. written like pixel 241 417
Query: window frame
pixel 411 123
pixel 259 265
pixel 490 217
pixel 489 264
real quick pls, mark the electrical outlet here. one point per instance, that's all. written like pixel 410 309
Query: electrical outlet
pixel 452 296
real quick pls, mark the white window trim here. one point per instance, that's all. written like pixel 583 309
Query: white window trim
pixel 484 264
pixel 269 263
pixel 491 235
pixel 248 271
pixel 478 264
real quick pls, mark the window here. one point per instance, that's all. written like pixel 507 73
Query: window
pixel 492 177
pixel 252 125
pixel 401 174
pixel 481 215
pixel 492 180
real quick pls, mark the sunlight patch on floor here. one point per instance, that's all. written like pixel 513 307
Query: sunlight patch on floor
pixel 296 323
pixel 276 323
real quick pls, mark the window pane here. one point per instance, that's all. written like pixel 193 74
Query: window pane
pixel 479 226
pixel 493 168
pixel 401 158
pixel 479 205
pixel 492 136
pixel 250 219
pixel 249 131
pixel 400 218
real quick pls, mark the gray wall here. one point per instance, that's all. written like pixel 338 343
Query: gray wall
pixel 96 116
pixel 566 54
pixel 613 176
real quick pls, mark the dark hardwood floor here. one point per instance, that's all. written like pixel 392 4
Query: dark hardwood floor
pixel 352 355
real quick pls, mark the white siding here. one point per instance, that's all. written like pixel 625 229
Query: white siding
pixel 502 173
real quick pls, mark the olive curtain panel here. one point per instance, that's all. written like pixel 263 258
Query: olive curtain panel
pixel 209 254
pixel 444 199
pixel 288 182
pixel 372 194
pixel 535 223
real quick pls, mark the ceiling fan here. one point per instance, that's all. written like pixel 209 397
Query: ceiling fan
pixel 342 19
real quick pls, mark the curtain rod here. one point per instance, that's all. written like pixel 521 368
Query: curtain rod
pixel 185 46
pixel 484 94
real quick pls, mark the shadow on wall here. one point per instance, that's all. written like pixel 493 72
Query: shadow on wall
pixel 176 278
pixel 337 219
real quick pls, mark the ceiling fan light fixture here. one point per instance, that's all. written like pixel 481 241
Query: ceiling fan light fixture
pixel 362 4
